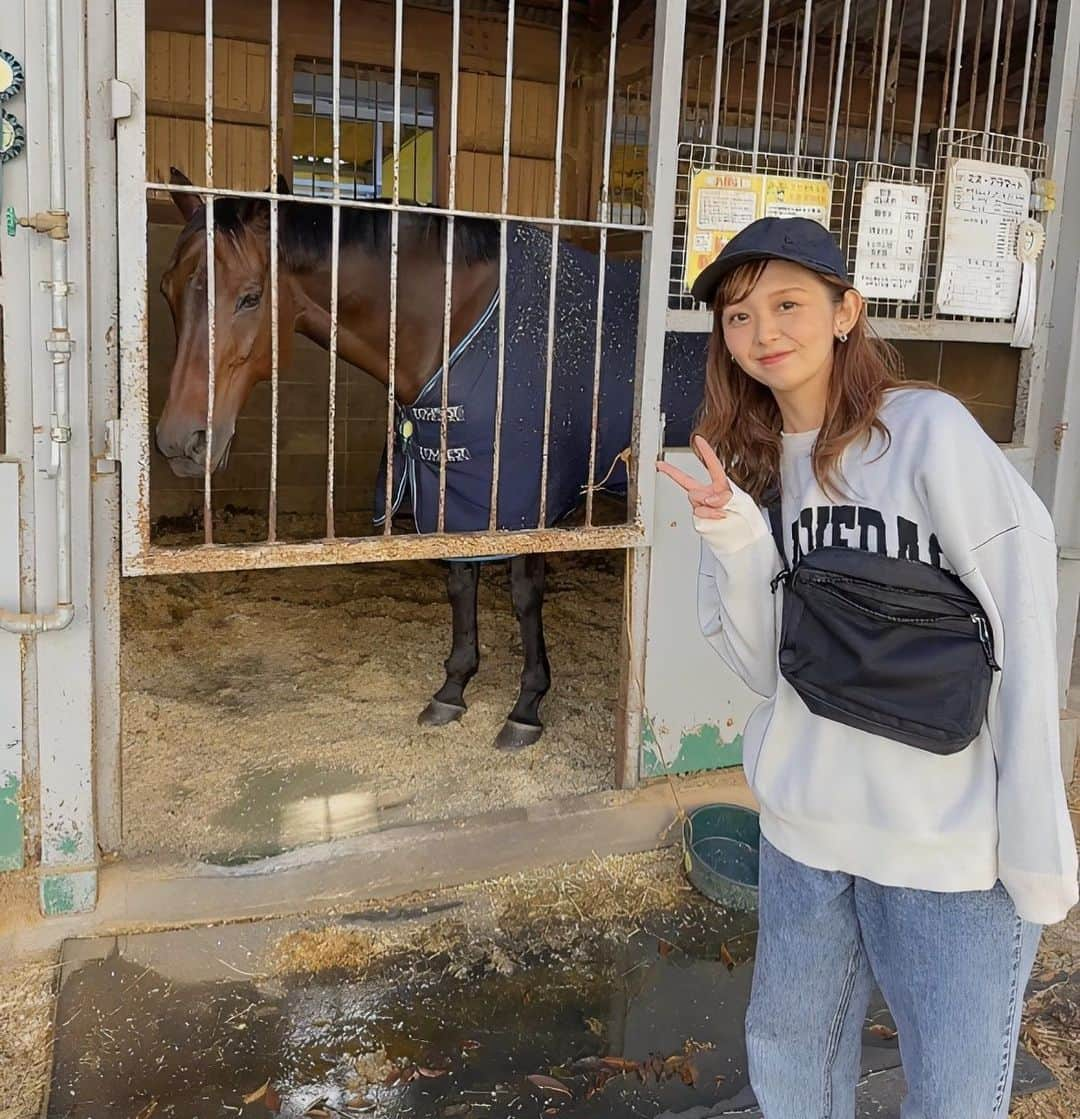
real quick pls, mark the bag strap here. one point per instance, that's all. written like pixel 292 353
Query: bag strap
pixel 772 499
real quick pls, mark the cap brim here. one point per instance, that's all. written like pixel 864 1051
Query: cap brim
pixel 703 289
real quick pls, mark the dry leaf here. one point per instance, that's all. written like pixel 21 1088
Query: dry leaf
pixel 726 958
pixel 254 1097
pixel 272 1099
pixel 468 1046
pixel 147 1111
pixel 883 1032
pixel 317 1111
pixel 619 1063
pixel 360 1103
pixel 549 1084
pixel 432 1073
pixel 664 947
pixel 595 1026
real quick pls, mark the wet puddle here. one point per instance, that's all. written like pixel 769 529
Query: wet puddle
pixel 192 1024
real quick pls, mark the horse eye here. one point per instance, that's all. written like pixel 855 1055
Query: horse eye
pixel 248 301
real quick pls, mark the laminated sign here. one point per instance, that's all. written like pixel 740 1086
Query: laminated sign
pixel 892 232
pixel 985 204
pixel 724 202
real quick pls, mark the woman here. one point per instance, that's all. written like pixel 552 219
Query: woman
pixel 931 875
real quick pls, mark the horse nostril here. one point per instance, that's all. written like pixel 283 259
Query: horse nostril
pixel 195 447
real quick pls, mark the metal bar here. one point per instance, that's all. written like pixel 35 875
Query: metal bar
pixel 395 198
pixel 976 55
pixel 832 63
pixel 448 293
pixel 275 351
pixel 879 115
pixel 850 85
pixel 839 79
pixel 808 20
pixel 553 286
pixel 990 89
pixel 796 28
pixel 742 93
pixel 605 177
pixel 946 75
pixel 406 208
pixel 1028 48
pixel 958 63
pixel 721 20
pixel 894 78
pixel 1037 73
pixel 335 258
pixel 876 39
pixel 919 85
pixel 504 232
pixel 727 89
pixel 158 560
pixel 999 126
pixel 775 74
pixel 211 277
pixel 759 105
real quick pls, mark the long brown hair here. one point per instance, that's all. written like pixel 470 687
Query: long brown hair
pixel 740 418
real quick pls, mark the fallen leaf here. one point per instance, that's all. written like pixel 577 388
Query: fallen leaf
pixel 883 1031
pixel 595 1026
pixel 664 947
pixel 549 1084
pixel 432 1073
pixel 254 1097
pixel 656 1066
pixel 726 958
pixel 361 1103
pixel 272 1099
pixel 468 1046
pixel 620 1063
pixel 318 1111
pixel 147 1111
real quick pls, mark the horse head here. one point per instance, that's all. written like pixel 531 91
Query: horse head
pixel 242 335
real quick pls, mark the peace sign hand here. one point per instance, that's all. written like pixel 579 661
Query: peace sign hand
pixel 708 502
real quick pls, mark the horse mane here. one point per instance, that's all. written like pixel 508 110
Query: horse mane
pixel 304 230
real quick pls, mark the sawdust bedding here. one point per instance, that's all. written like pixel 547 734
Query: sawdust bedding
pixel 231 678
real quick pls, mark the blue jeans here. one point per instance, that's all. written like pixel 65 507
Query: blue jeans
pixel 952 968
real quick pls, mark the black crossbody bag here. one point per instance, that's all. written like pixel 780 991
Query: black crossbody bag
pixel 890 646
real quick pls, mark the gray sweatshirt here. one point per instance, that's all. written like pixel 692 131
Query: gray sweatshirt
pixel 837 798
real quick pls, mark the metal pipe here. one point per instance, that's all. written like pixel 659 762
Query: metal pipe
pixel 763 46
pixel 958 60
pixel 211 284
pixel 58 344
pixel 335 258
pixel 1032 20
pixel 994 50
pixel 720 28
pixel 919 81
pixel 808 19
pixel 395 223
pixel 839 80
pixel 275 352
pixel 879 115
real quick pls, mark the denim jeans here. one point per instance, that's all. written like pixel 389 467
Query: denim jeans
pixel 952 968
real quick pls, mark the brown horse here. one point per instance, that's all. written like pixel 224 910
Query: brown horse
pixel 242 358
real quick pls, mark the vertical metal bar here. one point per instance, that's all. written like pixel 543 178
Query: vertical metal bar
pixel 990 89
pixel 976 55
pixel 879 115
pixel 275 354
pixel 211 302
pixel 851 85
pixel 553 288
pixel 871 83
pixel 1010 21
pixel 958 63
pixel 808 20
pixel 894 78
pixel 832 64
pixel 1037 72
pixel 721 21
pixel 808 132
pixel 742 94
pixel 697 96
pixel 839 80
pixel 919 85
pixel 796 35
pixel 775 74
pixel 335 261
pixel 763 46
pixel 395 199
pixel 448 295
pixel 504 233
pixel 604 181
pixel 1029 46
pixel 729 51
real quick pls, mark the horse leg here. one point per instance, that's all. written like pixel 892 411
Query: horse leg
pixel 523 727
pixel 448 703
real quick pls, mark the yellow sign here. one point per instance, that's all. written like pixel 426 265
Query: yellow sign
pixel 724 202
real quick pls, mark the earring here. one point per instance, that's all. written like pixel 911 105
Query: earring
pixel 842 336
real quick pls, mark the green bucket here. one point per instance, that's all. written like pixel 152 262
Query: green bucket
pixel 720 854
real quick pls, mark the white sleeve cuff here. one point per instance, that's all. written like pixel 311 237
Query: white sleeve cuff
pixel 743 525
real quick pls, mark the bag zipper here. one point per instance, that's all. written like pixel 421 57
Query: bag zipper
pixel 982 630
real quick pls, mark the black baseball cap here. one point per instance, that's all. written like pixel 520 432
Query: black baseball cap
pixel 799 240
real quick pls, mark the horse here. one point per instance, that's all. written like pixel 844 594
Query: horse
pixel 242 358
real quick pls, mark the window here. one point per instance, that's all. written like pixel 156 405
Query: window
pixel 367 132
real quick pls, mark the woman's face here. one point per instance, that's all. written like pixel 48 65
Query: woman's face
pixel 782 333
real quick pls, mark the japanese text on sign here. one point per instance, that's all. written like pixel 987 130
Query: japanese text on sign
pixel 724 202
pixel 984 206
pixel 892 231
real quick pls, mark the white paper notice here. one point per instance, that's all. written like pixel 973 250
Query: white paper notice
pixel 892 231
pixel 980 272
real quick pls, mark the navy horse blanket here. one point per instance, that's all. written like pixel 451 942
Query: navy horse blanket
pixel 472 383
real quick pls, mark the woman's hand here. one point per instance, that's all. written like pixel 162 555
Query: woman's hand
pixel 708 502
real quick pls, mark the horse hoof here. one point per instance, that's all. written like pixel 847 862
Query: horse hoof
pixel 516 736
pixel 439 714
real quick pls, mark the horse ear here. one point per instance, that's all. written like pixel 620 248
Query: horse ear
pixel 186 203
